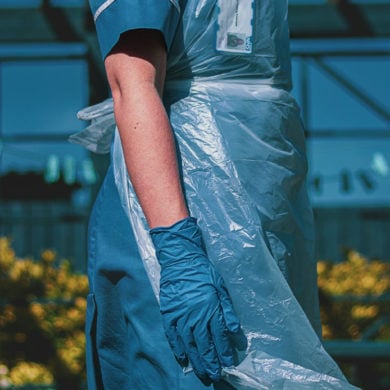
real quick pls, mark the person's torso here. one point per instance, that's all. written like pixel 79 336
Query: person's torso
pixel 194 51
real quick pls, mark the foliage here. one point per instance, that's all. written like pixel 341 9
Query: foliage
pixel 42 312
pixel 355 304
pixel 355 298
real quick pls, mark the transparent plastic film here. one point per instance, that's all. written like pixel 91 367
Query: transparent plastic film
pixel 99 135
pixel 235 26
pixel 241 150
pixel 284 351
pixel 202 47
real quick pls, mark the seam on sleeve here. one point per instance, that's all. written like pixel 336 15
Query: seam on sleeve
pixel 106 4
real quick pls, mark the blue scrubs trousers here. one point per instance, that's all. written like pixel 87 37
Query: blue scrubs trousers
pixel 126 345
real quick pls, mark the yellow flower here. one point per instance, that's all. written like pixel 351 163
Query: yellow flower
pixel 37 310
pixel 26 269
pixel 322 267
pixel 362 311
pixel 48 256
pixel 326 332
pixel 7 255
pixel 59 323
pixel 30 373
pixel 72 353
pixel 9 313
pixel 356 258
pixel 80 303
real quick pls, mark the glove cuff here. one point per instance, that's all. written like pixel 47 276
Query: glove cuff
pixel 177 226
pixel 179 242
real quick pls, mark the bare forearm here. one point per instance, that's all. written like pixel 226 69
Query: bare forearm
pixel 136 82
pixel 151 157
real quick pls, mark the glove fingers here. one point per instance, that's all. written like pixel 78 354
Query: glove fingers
pixel 207 352
pixel 221 339
pixel 193 355
pixel 239 340
pixel 231 320
pixel 176 343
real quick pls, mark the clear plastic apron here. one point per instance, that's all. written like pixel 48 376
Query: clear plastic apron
pixel 207 113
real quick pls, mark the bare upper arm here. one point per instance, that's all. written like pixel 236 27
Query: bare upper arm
pixel 138 57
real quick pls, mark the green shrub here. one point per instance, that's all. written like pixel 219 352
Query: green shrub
pixel 42 314
pixel 355 296
pixel 355 304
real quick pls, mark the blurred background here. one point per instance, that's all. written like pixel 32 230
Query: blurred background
pixel 50 68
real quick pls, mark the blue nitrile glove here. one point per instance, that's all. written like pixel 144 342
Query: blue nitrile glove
pixel 197 311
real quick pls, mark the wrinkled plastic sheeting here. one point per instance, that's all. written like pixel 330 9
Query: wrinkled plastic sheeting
pixel 193 51
pixel 283 350
pixel 262 371
pixel 98 136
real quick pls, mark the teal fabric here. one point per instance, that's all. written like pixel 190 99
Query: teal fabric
pixel 242 155
pixel 126 344
pixel 119 16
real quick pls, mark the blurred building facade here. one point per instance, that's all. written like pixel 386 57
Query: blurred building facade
pixel 50 67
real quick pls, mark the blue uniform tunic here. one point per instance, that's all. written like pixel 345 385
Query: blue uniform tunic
pixel 242 152
pixel 126 344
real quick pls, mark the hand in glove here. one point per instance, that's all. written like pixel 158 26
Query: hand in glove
pixel 197 311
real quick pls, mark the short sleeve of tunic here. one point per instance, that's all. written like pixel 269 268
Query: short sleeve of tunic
pixel 114 17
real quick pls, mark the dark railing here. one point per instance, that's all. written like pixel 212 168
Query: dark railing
pixel 34 226
pixel 37 225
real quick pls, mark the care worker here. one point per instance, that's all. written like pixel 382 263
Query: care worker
pixel 213 154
